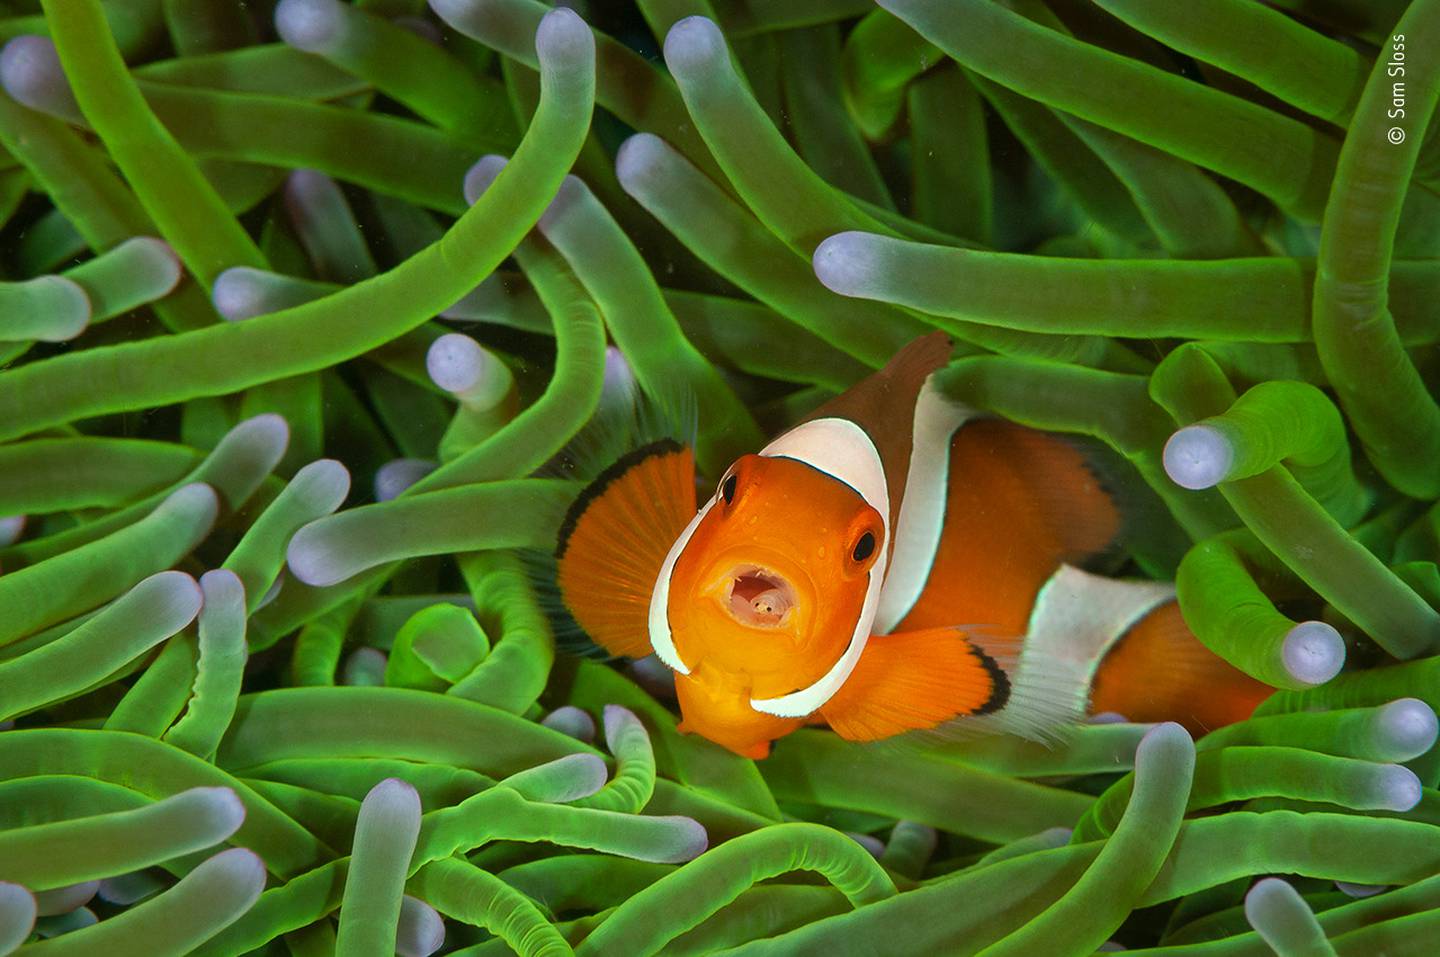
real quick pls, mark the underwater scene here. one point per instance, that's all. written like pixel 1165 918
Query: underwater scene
pixel 745 477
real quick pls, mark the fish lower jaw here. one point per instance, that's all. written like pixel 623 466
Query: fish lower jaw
pixel 758 597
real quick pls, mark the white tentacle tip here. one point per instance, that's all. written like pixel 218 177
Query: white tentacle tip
pixel 30 72
pixel 322 484
pixel 393 796
pixel 239 293
pixel 572 721
pixel 619 386
pixel 221 586
pixel 1396 788
pixel 1106 717
pixel 63 900
pixel 694 43
pixel 571 192
pixel 562 780
pixel 306 189
pixel 1407 726
pixel 239 868
pixel 1053 837
pixel 870 842
pixel 67 307
pixel 268 434
pixel 1167 741
pixel 420 931
pixel 221 806
pixel 691 840
pixel 364 668
pixel 480 176
pixel 176 596
pixel 453 11
pixel 197 497
pixel 1313 652
pixel 563 38
pixel 1360 890
pixel 457 363
pixel 589 771
pixel 1198 457
pixel 309 556
pixel 11 528
pixel 18 911
pixel 846 262
pixel 637 159
pixel 654 676
pixel 1269 904
pixel 618 720
pixel 315 26
pixel 396 475
pixel 273 592
pixel 166 265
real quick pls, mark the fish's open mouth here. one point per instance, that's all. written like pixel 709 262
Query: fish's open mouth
pixel 758 597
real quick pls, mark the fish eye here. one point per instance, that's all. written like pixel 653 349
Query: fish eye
pixel 864 548
pixel 727 489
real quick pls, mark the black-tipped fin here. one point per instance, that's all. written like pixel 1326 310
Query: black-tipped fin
pixel 615 538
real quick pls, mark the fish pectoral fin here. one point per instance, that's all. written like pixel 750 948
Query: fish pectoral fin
pixel 915 679
pixel 615 539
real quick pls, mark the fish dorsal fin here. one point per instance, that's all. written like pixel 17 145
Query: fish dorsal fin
pixel 614 540
pixel 883 406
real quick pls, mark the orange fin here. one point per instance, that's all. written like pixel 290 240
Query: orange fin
pixel 884 398
pixel 883 406
pixel 916 679
pixel 1159 671
pixel 615 538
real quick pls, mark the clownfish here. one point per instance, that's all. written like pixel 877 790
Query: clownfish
pixel 894 562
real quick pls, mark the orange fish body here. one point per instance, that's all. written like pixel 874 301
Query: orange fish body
pixel 891 563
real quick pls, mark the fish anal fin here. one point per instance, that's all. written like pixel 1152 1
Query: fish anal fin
pixel 614 541
pixel 912 680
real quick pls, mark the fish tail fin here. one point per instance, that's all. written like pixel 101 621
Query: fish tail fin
pixel 1159 671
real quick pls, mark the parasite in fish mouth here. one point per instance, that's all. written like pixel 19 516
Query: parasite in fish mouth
pixel 758 597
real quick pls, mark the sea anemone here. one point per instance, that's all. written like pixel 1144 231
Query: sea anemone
pixel 310 308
